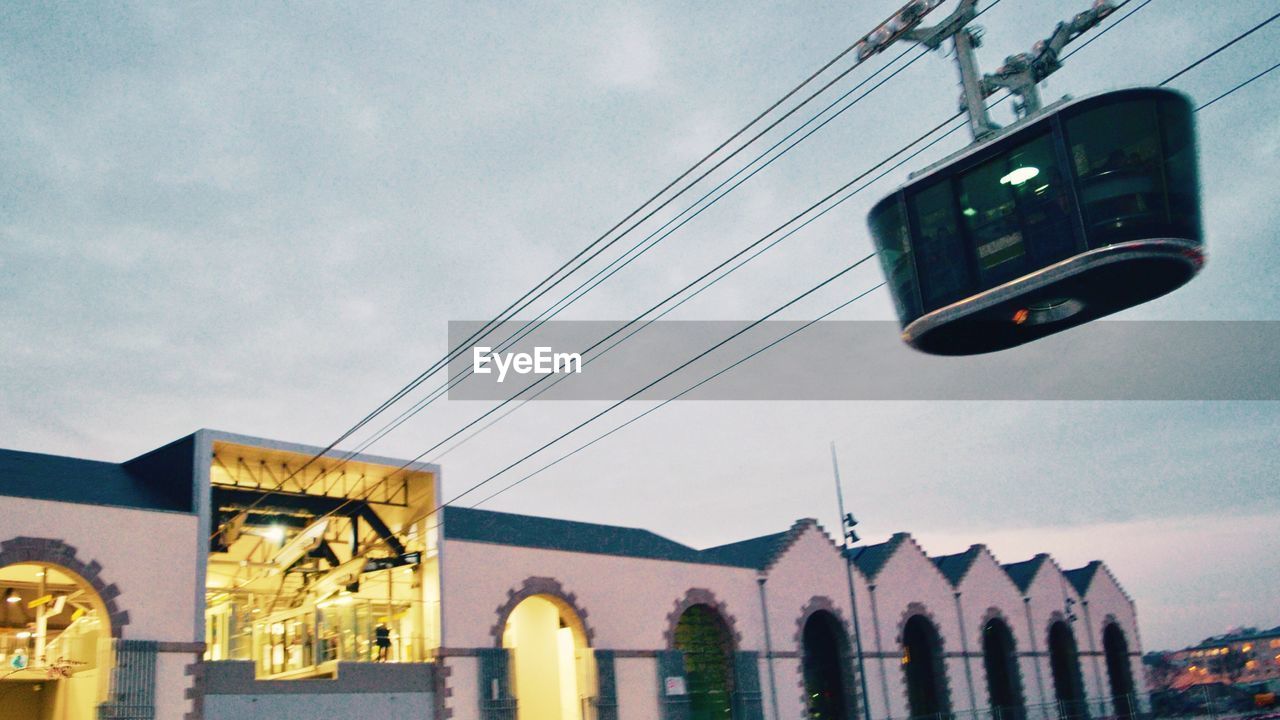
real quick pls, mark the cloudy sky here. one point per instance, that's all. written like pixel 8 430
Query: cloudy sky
pixel 261 217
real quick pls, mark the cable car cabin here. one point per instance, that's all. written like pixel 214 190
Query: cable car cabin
pixel 1077 212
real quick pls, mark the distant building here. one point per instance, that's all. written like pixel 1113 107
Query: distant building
pixel 226 577
pixel 1258 659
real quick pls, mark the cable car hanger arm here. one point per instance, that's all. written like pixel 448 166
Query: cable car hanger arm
pixel 1020 73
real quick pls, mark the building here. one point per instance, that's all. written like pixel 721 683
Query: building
pixel 224 576
pixel 1247 655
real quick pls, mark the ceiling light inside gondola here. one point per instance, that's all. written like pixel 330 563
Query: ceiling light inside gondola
pixel 1019 175
pixel 11 596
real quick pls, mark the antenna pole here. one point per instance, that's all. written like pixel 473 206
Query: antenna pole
pixel 846 523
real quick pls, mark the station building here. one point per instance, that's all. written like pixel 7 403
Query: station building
pixel 224 576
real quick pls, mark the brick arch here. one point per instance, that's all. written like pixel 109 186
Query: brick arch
pixel 940 662
pixel 1055 617
pixel 549 588
pixel 822 603
pixel 57 553
pixel 995 613
pixel 701 596
pixel 1019 682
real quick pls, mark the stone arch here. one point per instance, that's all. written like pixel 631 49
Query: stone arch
pixel 701 596
pixel 1004 683
pixel 822 607
pixel 549 588
pixel 1115 652
pixel 915 614
pixel 816 603
pixel 63 556
pixel 1064 666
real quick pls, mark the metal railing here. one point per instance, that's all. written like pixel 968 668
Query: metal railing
pixel 1127 707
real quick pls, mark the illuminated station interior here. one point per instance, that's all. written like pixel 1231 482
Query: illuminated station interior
pixel 320 563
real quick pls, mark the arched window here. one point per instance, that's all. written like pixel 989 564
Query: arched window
pixel 1064 661
pixel 923 664
pixel 703 638
pixel 1116 649
pixel 1004 682
pixel 827 673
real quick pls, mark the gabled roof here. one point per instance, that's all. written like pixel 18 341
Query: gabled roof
pixel 1022 573
pixel 159 480
pixel 754 553
pixel 954 567
pixel 871 559
pixel 501 528
pixel 1082 577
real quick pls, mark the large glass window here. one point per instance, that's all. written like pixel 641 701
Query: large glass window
pixel 890 233
pixel 1016 210
pixel 940 256
pixel 1118 163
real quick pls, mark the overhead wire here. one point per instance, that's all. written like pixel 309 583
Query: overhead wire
pixel 622 261
pixel 726 273
pixel 684 392
pixel 512 309
pixel 435 395
pixel 1143 4
pixel 1181 72
pixel 609 270
pixel 713 270
pixel 415 460
pixel 1238 87
pixel 1220 49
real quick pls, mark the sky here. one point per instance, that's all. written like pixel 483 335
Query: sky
pixel 260 218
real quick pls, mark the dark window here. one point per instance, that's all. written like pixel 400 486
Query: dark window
pixel 940 256
pixel 1016 211
pixel 1180 168
pixel 1119 165
pixel 890 233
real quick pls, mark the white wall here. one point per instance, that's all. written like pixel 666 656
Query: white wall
pixel 1048 593
pixel 627 599
pixel 150 557
pixel 910 577
pixel 637 688
pixel 984 586
pixel 811 567
pixel 1105 600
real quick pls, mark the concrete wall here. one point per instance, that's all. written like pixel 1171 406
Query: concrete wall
pixel 396 690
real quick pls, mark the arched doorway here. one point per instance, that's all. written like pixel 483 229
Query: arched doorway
pixel 1064 661
pixel 827 674
pixel 1004 682
pixel 55 644
pixel 551 661
pixel 1116 649
pixel 923 665
pixel 704 640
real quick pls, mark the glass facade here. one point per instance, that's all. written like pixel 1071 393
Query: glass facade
pixel 1114 168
